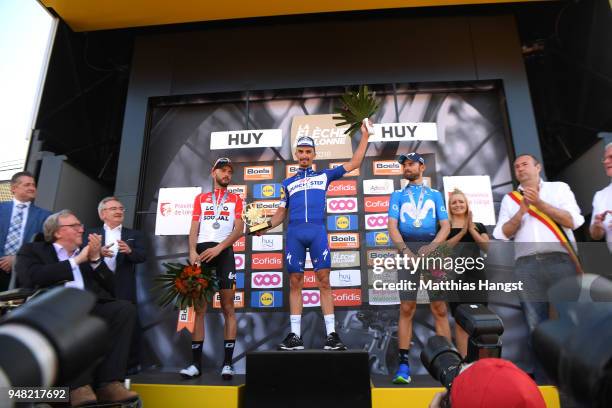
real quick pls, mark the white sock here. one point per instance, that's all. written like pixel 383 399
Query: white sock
pixel 296 324
pixel 330 323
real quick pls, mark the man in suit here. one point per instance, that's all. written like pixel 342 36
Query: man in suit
pixel 20 220
pixel 122 249
pixel 59 260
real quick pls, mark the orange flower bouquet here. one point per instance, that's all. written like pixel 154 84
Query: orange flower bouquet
pixel 186 285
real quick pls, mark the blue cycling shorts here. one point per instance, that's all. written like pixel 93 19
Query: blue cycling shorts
pixel 311 236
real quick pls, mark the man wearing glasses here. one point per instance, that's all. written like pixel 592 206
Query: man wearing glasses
pixel 601 221
pixel 59 260
pixel 123 249
pixel 215 225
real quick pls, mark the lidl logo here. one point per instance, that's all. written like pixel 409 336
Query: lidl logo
pixel 341 222
pixel 266 298
pixel 378 239
pixel 265 191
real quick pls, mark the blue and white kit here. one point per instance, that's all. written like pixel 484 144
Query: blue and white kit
pixel 303 195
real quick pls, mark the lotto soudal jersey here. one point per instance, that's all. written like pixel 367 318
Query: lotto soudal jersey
pixel 304 194
pixel 417 209
pixel 216 227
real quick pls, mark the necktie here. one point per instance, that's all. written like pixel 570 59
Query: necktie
pixel 13 238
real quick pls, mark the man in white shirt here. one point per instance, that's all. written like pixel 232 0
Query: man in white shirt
pixel 59 261
pixel 601 220
pixel 542 258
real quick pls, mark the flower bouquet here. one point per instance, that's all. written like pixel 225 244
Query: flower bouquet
pixel 358 107
pixel 186 285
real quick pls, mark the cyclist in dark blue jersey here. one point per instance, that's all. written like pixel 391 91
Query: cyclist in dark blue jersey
pixel 418 223
pixel 303 197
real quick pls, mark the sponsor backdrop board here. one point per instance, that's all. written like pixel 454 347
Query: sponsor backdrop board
pixel 466 139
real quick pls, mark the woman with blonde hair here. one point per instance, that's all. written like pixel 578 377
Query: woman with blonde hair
pixel 467 238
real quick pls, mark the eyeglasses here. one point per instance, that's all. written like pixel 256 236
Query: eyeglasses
pixel 606 158
pixel 120 209
pixel 221 161
pixel 75 226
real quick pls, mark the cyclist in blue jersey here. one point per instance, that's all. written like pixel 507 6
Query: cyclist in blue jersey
pixel 303 197
pixel 414 215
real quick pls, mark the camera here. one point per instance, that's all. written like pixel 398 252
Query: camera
pixel 50 340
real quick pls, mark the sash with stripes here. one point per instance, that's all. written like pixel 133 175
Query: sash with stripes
pixel 549 223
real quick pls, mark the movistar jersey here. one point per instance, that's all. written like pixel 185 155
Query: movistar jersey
pixel 430 212
pixel 304 194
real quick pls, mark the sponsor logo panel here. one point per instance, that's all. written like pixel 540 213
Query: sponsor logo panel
pixel 345 259
pixel 331 141
pixel 341 222
pixel 346 297
pixel 342 188
pixel 378 239
pixel 239 245
pixel 311 298
pixel 266 191
pixel 373 254
pixel 343 241
pixel 342 205
pixel 387 276
pixel 378 186
pixel 386 168
pixel 240 189
pixel 243 139
pixel 310 279
pixel 268 206
pixel 376 204
pixel 376 221
pixel 266 280
pixel 353 173
pixel 291 169
pixel 239 260
pixel 345 277
pixel 267 243
pixel 397 132
pixel 267 261
pixel 383 297
pixel 239 280
pixel 266 298
pixel 258 172
pixel 238 300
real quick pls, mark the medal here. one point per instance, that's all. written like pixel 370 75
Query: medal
pixel 217 206
pixel 416 208
pixel 417 223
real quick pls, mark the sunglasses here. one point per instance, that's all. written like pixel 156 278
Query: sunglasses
pixel 222 161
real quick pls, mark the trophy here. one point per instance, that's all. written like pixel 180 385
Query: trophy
pixel 358 107
pixel 255 218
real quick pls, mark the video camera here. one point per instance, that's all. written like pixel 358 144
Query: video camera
pixel 484 328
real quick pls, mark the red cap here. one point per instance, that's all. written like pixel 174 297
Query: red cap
pixel 494 382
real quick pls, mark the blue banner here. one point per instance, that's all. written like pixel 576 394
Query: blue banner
pixel 266 298
pixel 342 222
pixel 266 191
pixel 378 239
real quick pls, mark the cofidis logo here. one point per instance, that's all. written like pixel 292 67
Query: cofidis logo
pixel 267 261
pixel 346 297
pixel 342 188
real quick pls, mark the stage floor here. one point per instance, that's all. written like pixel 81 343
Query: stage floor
pixel 163 388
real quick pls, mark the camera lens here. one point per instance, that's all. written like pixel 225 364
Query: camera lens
pixel 441 359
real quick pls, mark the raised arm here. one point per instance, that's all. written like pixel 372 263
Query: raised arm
pixel 359 154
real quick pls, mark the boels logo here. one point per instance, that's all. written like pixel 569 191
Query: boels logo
pixel 238 300
pixel 343 241
pixel 342 188
pixel 266 191
pixel 269 260
pixel 269 207
pixel 376 204
pixel 341 222
pixel 258 172
pixel 266 298
pixel 378 239
pixel 353 173
pixel 387 168
pixel 374 254
pixel 291 169
pixel 240 189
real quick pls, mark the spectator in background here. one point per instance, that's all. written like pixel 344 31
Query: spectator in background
pixel 123 248
pixel 601 220
pixel 59 261
pixel 20 220
pixel 467 238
